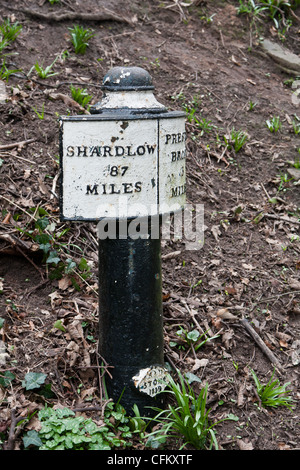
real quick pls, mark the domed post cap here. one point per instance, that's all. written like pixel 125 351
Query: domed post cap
pixel 127 79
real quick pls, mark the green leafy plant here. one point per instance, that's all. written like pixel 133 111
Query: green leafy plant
pixel 284 179
pixel 5 73
pixel 251 105
pixel 250 8
pixel 41 114
pixel 238 139
pixel 8 33
pixel 187 419
pixel 277 10
pixel 296 125
pixel 295 163
pixel 192 338
pixel 44 72
pixel 273 394
pixel 34 380
pixel 274 124
pixel 6 378
pixel 137 423
pixel 80 38
pixel 235 140
pixel 61 429
pixel 81 96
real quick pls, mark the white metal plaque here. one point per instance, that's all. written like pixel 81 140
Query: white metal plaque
pixel 122 168
pixel 151 380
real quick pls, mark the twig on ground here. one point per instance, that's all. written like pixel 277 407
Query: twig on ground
pixel 283 219
pixel 66 99
pixel 261 344
pixel 10 444
pixel 16 144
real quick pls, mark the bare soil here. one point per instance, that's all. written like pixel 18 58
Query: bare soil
pixel 249 265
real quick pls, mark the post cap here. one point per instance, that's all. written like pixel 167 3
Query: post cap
pixel 127 79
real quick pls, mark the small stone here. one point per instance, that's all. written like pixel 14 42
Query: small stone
pixel 281 55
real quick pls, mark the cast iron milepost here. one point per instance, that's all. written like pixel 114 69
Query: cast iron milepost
pixel 123 166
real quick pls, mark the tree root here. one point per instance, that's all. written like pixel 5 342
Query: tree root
pixel 105 15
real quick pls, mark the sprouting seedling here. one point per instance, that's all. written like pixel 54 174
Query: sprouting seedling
pixel 5 73
pixel 9 31
pixel 81 96
pixel 273 394
pixel 41 114
pixel 251 105
pixel 188 419
pixel 238 138
pixel 296 125
pixel 274 124
pixel 80 38
pixel 44 72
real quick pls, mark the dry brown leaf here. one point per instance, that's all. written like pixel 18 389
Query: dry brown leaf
pixel 199 363
pixel 243 445
pixel 75 330
pixel 7 218
pixel 225 314
pixel 283 446
pixel 227 338
pixel 88 392
pixel 55 298
pixel 294 284
pixel 64 283
pixel 217 322
pixel 215 230
pixel 72 356
pixel 241 398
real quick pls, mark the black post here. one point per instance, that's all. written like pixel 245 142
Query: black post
pixel 130 315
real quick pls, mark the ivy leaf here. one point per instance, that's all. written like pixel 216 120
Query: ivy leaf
pixel 33 380
pixel 32 439
pixel 53 258
pixel 42 223
pixel 70 265
pixel 6 378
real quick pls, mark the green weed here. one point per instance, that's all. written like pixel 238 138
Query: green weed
pixel 277 10
pixel 273 394
pixel 251 105
pixel 187 419
pixel 44 72
pixel 296 125
pixel 5 73
pixel 235 140
pixel 238 139
pixel 80 38
pixel 274 124
pixel 9 31
pixel 41 114
pixel 192 339
pixel 81 96
pixel 284 179
pixel 61 429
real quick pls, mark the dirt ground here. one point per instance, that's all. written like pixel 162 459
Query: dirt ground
pixel 210 58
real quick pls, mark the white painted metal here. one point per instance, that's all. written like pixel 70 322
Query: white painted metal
pixel 130 99
pixel 123 168
pixel 151 380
